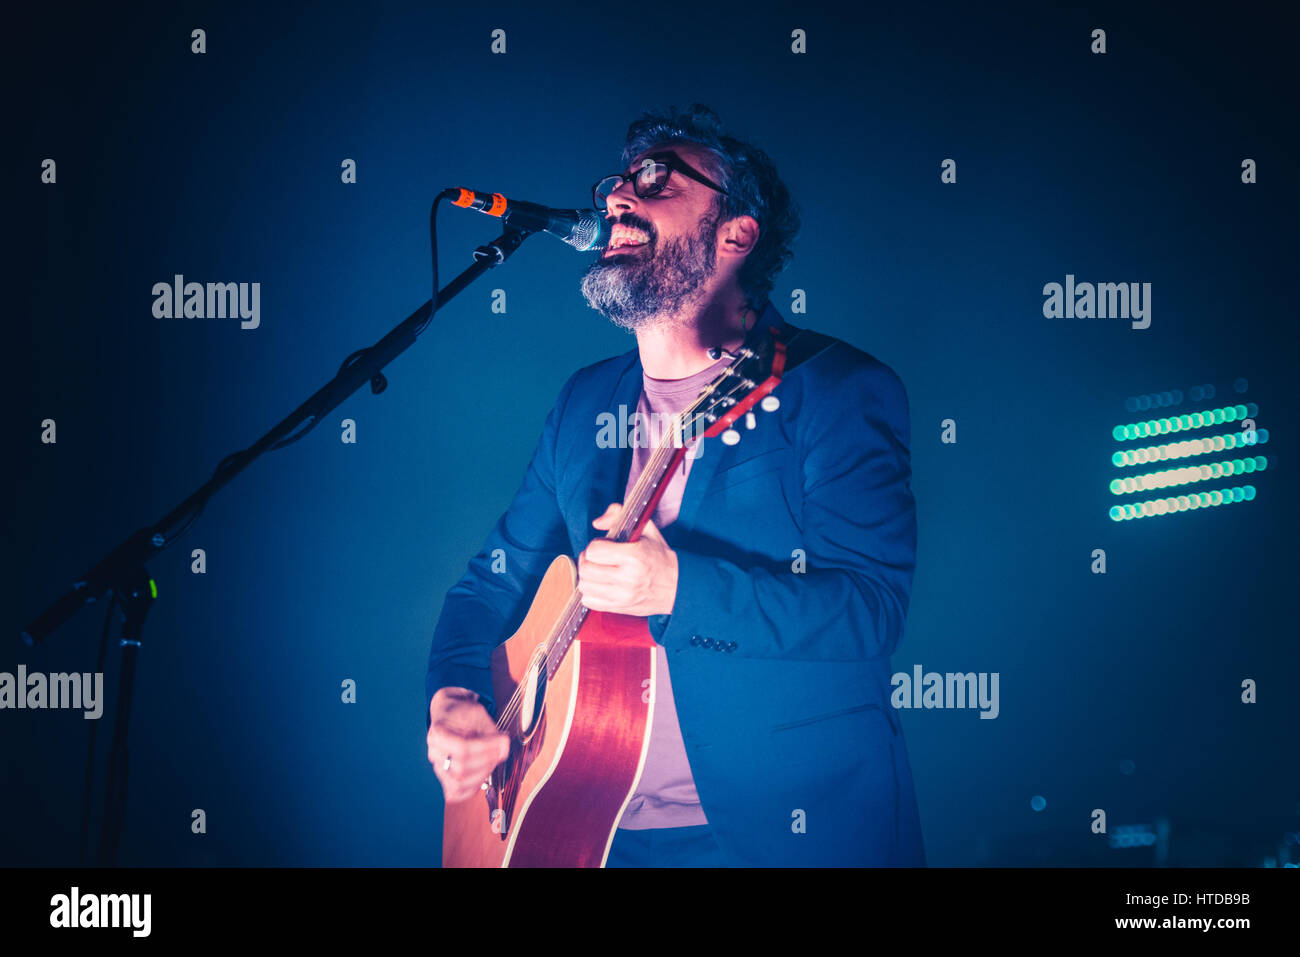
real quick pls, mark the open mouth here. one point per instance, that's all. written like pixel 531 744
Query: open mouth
pixel 626 238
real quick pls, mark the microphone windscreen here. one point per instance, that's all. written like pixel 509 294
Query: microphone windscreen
pixel 590 233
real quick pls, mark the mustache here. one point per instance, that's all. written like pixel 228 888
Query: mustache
pixel 636 222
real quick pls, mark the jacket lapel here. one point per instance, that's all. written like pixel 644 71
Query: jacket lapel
pixel 610 467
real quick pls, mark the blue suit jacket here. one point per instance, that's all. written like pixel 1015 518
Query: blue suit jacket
pixel 795 553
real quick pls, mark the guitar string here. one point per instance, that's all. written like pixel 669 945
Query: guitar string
pixel 574 609
pixel 656 466
pixel 571 612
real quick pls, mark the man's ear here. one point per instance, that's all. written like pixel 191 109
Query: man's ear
pixel 738 236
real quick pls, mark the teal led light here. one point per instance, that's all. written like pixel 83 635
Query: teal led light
pixel 1185 475
pixel 1182 503
pixel 1189 447
pixel 1177 423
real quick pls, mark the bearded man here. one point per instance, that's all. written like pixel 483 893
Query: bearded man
pixel 774 574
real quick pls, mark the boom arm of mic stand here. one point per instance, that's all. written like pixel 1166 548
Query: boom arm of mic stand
pixel 121 565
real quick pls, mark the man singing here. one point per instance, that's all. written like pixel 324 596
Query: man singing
pixel 775 573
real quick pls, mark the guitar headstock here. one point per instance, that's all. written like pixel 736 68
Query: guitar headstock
pixel 755 370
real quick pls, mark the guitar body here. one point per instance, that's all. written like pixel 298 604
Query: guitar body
pixel 578 741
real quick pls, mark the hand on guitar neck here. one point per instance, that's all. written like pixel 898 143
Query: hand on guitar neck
pixel 464 743
pixel 628 578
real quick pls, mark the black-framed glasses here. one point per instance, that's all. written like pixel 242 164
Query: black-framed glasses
pixel 649 178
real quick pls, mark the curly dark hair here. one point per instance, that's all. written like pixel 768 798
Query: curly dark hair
pixel 746 173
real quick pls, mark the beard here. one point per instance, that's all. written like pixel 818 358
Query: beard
pixel 636 290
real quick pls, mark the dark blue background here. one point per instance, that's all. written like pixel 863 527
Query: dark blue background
pixel 329 561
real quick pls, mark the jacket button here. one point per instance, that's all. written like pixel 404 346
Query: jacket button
pixel 695 639
pixel 708 642
pixel 731 646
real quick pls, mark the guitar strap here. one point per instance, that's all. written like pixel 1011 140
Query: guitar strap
pixel 802 345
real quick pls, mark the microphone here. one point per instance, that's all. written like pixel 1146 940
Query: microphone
pixel 584 229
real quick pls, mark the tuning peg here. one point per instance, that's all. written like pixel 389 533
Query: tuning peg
pixel 730 437
pixel 770 403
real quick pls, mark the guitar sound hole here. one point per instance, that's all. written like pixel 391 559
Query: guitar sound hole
pixel 534 702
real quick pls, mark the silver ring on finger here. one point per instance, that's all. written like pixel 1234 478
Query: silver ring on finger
pixel 447 763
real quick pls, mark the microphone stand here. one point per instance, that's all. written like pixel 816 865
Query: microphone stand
pixel 122 571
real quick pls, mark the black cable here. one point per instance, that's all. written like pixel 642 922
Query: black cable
pixel 353 358
pixel 433 248
pixel 305 426
pixel 433 256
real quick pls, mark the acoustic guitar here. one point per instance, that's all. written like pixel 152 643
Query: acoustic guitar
pixel 578 686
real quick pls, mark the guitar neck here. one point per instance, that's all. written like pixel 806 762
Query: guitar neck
pixel 645 495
